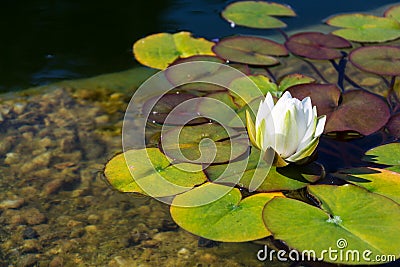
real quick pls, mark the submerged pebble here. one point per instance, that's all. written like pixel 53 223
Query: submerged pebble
pixel 12 203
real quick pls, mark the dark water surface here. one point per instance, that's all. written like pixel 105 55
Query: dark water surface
pixel 43 41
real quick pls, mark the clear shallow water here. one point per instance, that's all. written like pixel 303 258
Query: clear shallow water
pixel 47 41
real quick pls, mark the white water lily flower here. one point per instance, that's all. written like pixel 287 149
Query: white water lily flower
pixel 291 127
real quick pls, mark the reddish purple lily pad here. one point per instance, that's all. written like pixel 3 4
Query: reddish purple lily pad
pixel 316 45
pixel 324 96
pixel 250 50
pixel 394 125
pixel 352 111
pixel 188 76
pixel 159 112
pixel 382 60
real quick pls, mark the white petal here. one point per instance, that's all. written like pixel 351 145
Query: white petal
pixel 269 100
pixel 309 135
pixel 307 107
pixel 301 120
pixel 320 126
pixel 304 152
pixel 286 133
pixel 269 133
pixel 264 110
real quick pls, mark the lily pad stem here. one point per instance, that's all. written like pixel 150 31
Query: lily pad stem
pixel 271 75
pixel 340 68
pixel 312 66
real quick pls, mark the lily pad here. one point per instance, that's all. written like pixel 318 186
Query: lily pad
pixel 166 104
pixel 271 178
pixel 350 219
pixel 324 96
pixel 257 14
pixel 244 94
pixel 316 45
pixel 203 73
pixel 393 125
pixel 383 60
pixel 341 116
pixel 294 79
pixel 205 143
pixel 229 218
pixel 372 109
pixel 393 12
pixel 250 50
pixel 365 28
pixel 388 154
pixel 149 172
pixel 161 49
pixel 379 181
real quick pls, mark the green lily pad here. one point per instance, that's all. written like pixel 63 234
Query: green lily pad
pixel 340 116
pixel 243 171
pixel 244 94
pixel 350 218
pixel 388 154
pixel 161 49
pixel 257 14
pixel 379 181
pixel 149 172
pixel 383 60
pixel 316 45
pixel 365 28
pixel 251 107
pixel 393 125
pixel 229 218
pixel 294 79
pixel 205 143
pixel 250 50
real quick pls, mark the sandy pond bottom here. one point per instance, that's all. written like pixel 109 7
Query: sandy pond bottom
pixel 55 208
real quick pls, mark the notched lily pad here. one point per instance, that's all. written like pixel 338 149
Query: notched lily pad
pixel 161 49
pixel 379 181
pixel 382 60
pixel 257 14
pixel 372 109
pixel 365 28
pixel 205 143
pixel 350 219
pixel 316 45
pixel 149 172
pixel 388 154
pixel 228 219
pixel 250 50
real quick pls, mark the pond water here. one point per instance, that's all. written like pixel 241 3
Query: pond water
pixel 55 207
pixel 47 41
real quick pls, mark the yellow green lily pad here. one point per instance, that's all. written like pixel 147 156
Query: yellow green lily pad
pixel 228 218
pixel 161 49
pixel 350 220
pixel 149 172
